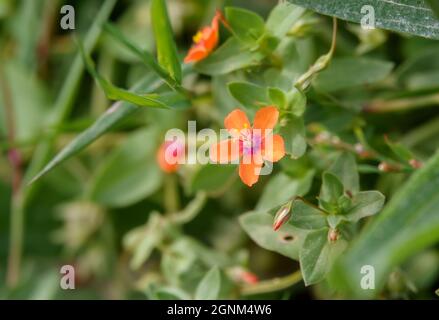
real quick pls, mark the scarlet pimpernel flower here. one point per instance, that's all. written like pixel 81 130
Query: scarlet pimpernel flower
pixel 169 154
pixel 250 145
pixel 205 40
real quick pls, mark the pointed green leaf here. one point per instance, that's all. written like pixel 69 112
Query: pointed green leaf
pixel 282 18
pixel 293 132
pixel 306 217
pixel 248 94
pixel 231 56
pixel 364 204
pixel 247 26
pixel 282 187
pixel 314 257
pixel 401 152
pixel 164 37
pixel 414 17
pixel 345 168
pixel 209 287
pixel 145 57
pixel 114 93
pixel 344 73
pixel 318 255
pixel 277 97
pixel 330 192
pixel 297 102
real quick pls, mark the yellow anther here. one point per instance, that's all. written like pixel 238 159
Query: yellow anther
pixel 197 37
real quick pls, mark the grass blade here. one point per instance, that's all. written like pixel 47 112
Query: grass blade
pixel 166 48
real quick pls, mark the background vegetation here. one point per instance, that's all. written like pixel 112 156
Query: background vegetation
pixel 362 117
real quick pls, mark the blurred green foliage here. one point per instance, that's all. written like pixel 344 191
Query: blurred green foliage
pixel 76 116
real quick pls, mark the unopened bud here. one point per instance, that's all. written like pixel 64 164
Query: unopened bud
pixel 282 216
pixel 416 164
pixel 333 235
pixel 361 151
pixel 387 167
pixel 249 277
pixel 322 137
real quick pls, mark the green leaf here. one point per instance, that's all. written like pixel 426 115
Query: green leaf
pixel 282 18
pixel 164 37
pixel 345 73
pixel 297 102
pixel 364 204
pixel 401 152
pixel 277 97
pixel 230 56
pixel 146 239
pixel 248 94
pixel 318 255
pixel 345 168
pixel 118 112
pixel 145 57
pixel 247 26
pixel 129 174
pixel 314 256
pixel 294 134
pixel 114 93
pixel 408 224
pixel 306 217
pixel 286 241
pixel 212 177
pixel 282 187
pixel 330 192
pixel 30 109
pixel 209 287
pixel 414 17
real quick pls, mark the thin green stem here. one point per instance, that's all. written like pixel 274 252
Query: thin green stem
pixel 305 79
pixel 271 285
pixel 393 105
pixel 191 210
pixel 171 195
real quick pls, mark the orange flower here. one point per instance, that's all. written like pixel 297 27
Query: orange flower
pixel 204 41
pixel 169 154
pixel 250 145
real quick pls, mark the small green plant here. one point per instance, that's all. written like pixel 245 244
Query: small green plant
pixel 343 119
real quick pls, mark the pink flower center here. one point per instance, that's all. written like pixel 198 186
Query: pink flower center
pixel 250 142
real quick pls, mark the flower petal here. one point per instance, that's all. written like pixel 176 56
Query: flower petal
pixel 236 121
pixel 249 172
pixel 196 53
pixel 210 39
pixel 266 118
pixel 169 155
pixel 274 148
pixel 225 151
